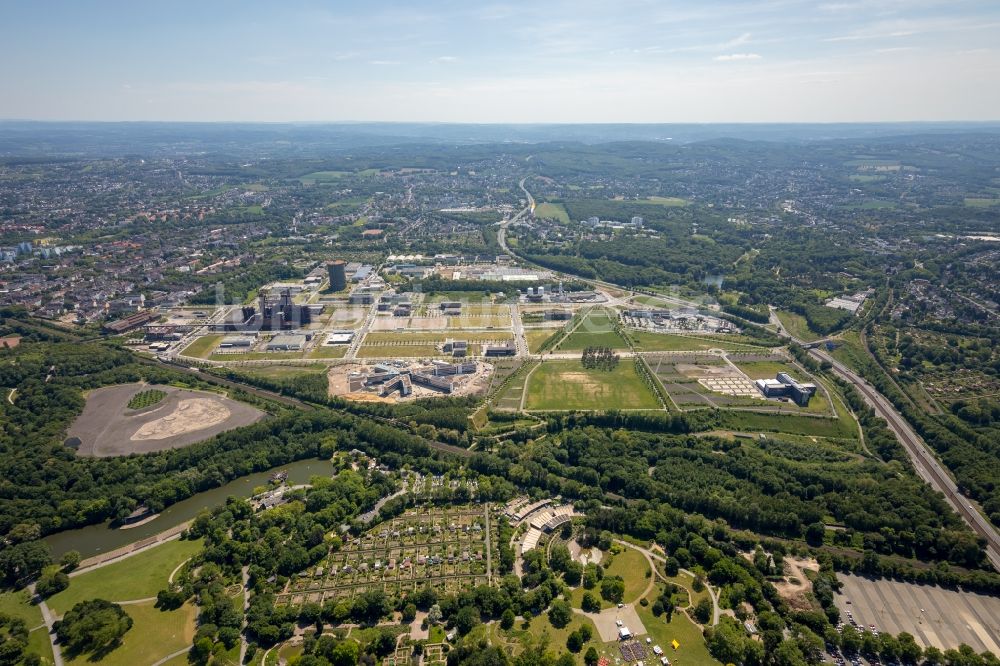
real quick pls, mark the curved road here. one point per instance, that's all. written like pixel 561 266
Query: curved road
pixel 924 462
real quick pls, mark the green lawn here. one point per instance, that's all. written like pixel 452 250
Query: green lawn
pixel 981 202
pixel 540 631
pixel 39 643
pixel 632 566
pixel 667 201
pixel 138 577
pixel 692 650
pixel 18 604
pixel 647 341
pixel 552 211
pixel 536 338
pixel 328 351
pixel 203 346
pixel 154 635
pixel 322 176
pixel 596 330
pixel 797 325
pixel 560 385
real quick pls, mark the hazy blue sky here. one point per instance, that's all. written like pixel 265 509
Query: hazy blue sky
pixel 565 61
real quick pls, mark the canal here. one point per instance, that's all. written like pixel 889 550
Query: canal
pixel 96 539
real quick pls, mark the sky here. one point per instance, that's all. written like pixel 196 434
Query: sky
pixel 629 61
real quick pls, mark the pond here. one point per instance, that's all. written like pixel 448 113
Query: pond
pixel 96 539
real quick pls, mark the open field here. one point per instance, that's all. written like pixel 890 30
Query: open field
pixel 651 342
pixel 634 569
pixel 108 428
pixel 154 635
pixel 328 351
pixel 18 604
pixel 597 329
pixel 981 202
pixel 537 337
pixel 934 615
pixel 666 201
pixel 797 325
pixel 563 385
pixel 513 394
pixel 552 211
pixel 692 650
pixel 203 346
pixel 322 176
pixel 418 344
pixel 138 577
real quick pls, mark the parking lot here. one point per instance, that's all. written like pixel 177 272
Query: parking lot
pixel 934 615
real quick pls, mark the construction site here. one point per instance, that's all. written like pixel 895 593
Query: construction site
pixel 395 381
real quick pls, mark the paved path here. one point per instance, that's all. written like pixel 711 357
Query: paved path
pixel 125 552
pixel 650 555
pixel 489 553
pixel 245 572
pixel 49 619
pixel 171 656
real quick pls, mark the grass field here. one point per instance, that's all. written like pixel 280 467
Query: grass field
pixel 666 201
pixel 328 351
pixel 18 604
pixel 138 577
pixel 981 202
pixel 692 650
pixel 537 337
pixel 39 643
pixel 796 325
pixel 420 343
pixel 154 635
pixel 596 330
pixel 322 176
pixel 633 567
pixel 257 356
pixel 561 385
pixel 539 631
pixel 646 341
pixel 769 369
pixel 552 211
pixel 746 421
pixel 203 346
pixel 285 371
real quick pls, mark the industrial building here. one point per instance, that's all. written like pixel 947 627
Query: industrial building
pixel 283 314
pixel 457 348
pixel 338 275
pixel 783 386
pixel 505 349
pixel 237 342
pixel 361 297
pixel 439 376
pixel 339 337
pixel 288 342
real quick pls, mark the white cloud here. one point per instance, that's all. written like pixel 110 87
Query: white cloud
pixel 446 59
pixel 384 63
pixel 729 57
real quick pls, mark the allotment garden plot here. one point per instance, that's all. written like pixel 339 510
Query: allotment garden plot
pixel 444 548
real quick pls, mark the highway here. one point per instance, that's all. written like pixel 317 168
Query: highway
pixel 924 461
pixel 926 464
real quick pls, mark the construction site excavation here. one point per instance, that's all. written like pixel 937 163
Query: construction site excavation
pixel 394 381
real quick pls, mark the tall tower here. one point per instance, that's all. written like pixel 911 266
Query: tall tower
pixel 338 276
